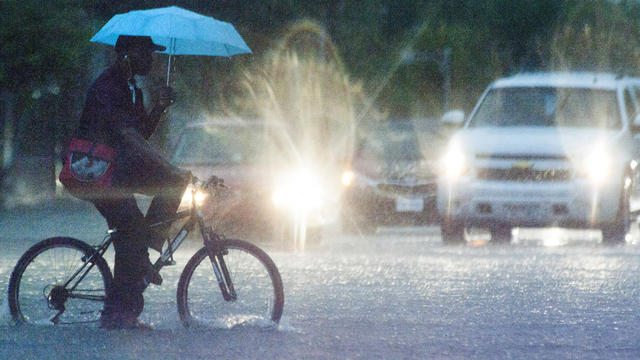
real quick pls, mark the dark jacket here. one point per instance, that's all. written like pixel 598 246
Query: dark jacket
pixel 111 116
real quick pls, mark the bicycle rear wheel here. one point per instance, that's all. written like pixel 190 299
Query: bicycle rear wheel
pixel 59 281
pixel 255 278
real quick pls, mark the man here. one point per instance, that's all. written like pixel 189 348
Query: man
pixel 114 115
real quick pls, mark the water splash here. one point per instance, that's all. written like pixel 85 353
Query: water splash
pixel 5 313
pixel 311 106
pixel 244 322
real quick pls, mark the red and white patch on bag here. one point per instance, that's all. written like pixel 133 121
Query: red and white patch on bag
pixel 88 168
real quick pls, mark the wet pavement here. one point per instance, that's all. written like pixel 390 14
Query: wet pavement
pixel 398 294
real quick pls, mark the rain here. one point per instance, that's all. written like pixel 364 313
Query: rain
pixel 351 164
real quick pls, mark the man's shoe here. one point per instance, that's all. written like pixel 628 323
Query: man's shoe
pixel 110 322
pixel 121 322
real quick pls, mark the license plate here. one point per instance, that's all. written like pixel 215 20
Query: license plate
pixel 409 204
pixel 528 210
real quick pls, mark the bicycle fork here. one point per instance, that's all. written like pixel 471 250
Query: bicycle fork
pixel 216 256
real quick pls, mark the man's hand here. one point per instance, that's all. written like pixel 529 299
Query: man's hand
pixel 166 97
pixel 215 181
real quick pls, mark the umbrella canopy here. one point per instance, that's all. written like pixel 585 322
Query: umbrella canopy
pixel 181 31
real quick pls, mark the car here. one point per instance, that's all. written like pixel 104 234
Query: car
pixel 392 179
pixel 552 149
pixel 267 199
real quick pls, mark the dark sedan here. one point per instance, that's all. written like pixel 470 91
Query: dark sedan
pixel 267 199
pixel 392 178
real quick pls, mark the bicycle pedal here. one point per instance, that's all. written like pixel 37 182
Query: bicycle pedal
pixel 169 263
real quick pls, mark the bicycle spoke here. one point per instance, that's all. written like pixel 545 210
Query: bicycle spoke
pixel 42 287
pixel 254 302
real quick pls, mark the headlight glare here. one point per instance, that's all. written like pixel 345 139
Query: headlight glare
pixel 597 166
pixel 299 191
pixel 454 162
pixel 347 178
pixel 189 196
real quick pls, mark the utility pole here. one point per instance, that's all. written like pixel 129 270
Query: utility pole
pixel 442 58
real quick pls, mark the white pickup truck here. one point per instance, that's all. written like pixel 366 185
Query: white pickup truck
pixel 543 150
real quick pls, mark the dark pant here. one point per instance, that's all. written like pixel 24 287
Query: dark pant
pixel 132 240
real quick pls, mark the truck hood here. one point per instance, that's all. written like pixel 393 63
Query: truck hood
pixel 557 142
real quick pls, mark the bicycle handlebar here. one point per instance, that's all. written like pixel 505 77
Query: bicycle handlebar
pixel 212 182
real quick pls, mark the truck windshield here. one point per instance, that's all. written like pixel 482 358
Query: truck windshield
pixel 548 106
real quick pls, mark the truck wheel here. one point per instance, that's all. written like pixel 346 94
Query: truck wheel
pixel 616 233
pixel 501 234
pixel 452 232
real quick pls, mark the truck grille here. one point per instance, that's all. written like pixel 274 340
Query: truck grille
pixel 523 175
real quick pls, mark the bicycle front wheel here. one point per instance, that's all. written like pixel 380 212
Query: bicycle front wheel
pixel 259 296
pixel 59 281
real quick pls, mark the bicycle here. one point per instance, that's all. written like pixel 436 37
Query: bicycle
pixel 62 280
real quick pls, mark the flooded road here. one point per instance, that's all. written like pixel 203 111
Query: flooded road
pixel 398 294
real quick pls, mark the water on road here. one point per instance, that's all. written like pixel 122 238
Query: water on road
pixel 399 294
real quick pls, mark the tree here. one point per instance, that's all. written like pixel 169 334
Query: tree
pixel 42 55
pixel 598 35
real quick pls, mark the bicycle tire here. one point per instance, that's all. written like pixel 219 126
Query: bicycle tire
pixel 200 300
pixel 45 267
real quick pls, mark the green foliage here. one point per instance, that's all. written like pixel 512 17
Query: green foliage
pixel 42 62
pixel 598 35
pixel 47 41
pixel 42 42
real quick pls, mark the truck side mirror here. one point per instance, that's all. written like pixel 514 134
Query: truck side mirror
pixel 454 118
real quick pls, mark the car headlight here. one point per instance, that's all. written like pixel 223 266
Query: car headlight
pixel 454 162
pixel 596 166
pixel 298 191
pixel 347 178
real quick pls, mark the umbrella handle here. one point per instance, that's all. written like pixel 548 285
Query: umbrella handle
pixel 172 48
pixel 169 69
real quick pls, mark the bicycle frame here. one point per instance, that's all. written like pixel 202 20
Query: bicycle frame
pixel 90 283
pixel 195 218
pixel 211 242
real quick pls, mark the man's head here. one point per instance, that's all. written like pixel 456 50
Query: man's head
pixel 137 51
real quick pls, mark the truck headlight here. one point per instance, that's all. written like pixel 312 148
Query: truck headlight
pixel 596 166
pixel 454 162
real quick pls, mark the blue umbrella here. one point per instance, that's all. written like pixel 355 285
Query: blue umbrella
pixel 181 31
